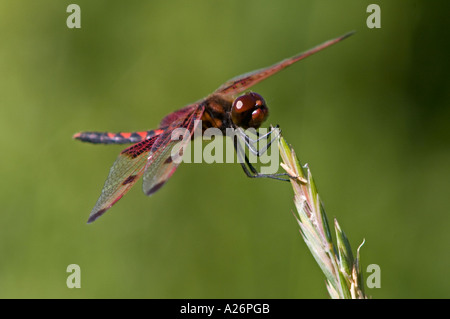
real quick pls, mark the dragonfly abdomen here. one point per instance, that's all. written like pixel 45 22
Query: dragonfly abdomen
pixel 115 138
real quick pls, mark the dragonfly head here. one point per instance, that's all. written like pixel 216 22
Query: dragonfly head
pixel 249 110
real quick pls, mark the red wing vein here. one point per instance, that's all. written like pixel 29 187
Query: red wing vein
pixel 245 81
pixel 161 165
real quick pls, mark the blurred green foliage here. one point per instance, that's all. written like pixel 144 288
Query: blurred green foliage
pixel 370 116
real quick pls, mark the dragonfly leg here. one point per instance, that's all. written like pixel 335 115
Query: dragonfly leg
pixel 250 170
pixel 250 143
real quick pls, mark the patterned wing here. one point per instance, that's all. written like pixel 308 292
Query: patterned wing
pixel 241 83
pixel 161 164
pixel 124 173
pixel 179 114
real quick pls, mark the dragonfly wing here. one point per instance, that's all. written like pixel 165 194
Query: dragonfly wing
pixel 124 173
pixel 178 114
pixel 161 164
pixel 243 82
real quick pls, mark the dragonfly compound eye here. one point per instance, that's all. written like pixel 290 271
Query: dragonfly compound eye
pixel 249 110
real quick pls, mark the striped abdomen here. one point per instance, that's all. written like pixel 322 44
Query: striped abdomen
pixel 115 138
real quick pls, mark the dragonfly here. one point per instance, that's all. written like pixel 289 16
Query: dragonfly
pixel 150 156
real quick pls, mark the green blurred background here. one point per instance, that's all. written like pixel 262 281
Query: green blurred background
pixel 370 116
